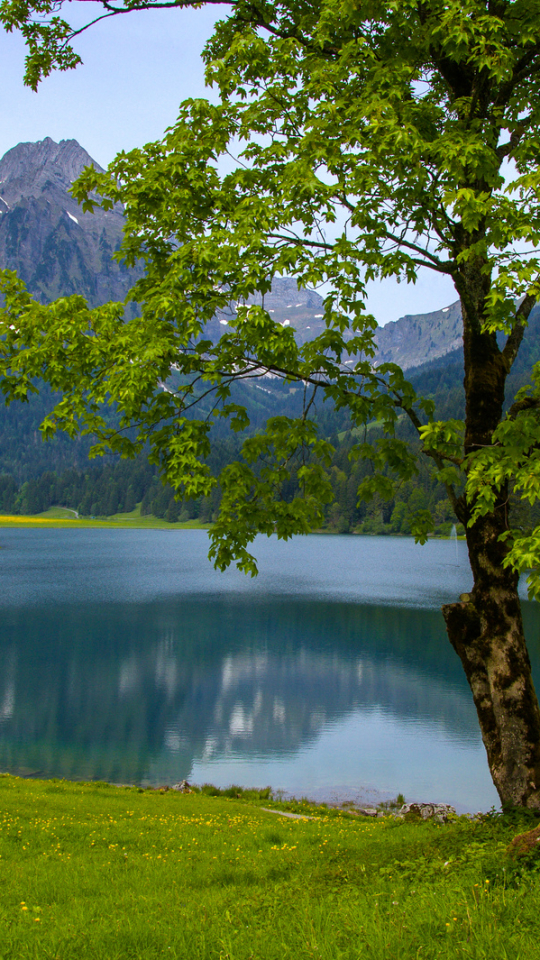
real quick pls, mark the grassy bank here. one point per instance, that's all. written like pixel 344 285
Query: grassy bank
pixel 90 870
pixel 63 517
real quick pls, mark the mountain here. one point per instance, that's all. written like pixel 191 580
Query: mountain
pixel 410 341
pixel 416 339
pixel 56 248
pixel 288 305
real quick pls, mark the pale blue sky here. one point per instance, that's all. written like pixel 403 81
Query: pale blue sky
pixel 137 69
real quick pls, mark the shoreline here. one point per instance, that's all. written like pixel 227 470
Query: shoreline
pixel 154 523
pixel 135 523
pixel 340 797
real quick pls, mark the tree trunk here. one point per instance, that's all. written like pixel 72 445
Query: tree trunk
pixel 486 632
pixel 485 628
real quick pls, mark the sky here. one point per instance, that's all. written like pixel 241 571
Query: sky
pixel 136 71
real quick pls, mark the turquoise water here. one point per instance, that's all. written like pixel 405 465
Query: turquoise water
pixel 125 657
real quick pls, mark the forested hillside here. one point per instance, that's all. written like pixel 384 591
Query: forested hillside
pixel 35 476
pixel 59 251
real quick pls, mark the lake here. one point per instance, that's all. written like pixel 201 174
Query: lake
pixel 124 656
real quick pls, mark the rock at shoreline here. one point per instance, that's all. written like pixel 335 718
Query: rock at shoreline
pixel 440 812
pixel 363 811
pixel 182 787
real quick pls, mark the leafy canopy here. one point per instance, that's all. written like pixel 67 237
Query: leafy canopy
pixel 368 140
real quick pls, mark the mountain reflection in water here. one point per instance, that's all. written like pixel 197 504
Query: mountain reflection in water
pixel 303 693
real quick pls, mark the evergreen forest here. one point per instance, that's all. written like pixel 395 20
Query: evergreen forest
pixel 35 476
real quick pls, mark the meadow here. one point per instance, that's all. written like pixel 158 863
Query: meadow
pixel 97 871
pixel 64 517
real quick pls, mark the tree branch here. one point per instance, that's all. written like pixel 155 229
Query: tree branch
pixel 505 149
pixel 113 11
pixel 436 264
pixel 521 71
pixel 526 403
pixel 512 345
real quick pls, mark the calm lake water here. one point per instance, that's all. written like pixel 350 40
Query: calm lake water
pixel 125 657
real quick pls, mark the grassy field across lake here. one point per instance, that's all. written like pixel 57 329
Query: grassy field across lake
pixel 63 517
pixel 95 871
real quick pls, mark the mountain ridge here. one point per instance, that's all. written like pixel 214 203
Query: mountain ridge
pixel 35 164
pixel 44 235
pixel 415 339
pixel 58 250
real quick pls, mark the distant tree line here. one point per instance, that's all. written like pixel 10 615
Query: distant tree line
pixel 118 486
pixel 107 487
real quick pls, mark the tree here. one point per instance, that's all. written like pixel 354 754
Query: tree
pixel 371 140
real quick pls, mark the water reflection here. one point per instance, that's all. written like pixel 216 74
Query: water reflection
pixel 138 693
pixel 303 693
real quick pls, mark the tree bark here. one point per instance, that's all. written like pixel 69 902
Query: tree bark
pixel 486 632
pixel 486 628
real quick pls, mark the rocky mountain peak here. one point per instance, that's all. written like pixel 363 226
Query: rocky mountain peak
pixel 30 169
pixel 55 247
pixel 414 339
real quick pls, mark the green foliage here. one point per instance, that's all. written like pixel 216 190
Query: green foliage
pixel 234 792
pixel 46 39
pixel 513 458
pixel 116 486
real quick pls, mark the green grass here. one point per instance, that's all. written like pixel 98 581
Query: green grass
pixel 58 513
pixel 90 870
pixel 62 517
